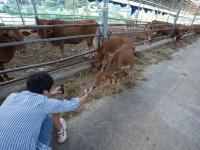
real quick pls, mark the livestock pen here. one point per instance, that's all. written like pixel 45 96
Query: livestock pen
pixel 73 69
pixel 36 57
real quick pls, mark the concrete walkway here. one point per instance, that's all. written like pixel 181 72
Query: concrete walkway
pixel 162 113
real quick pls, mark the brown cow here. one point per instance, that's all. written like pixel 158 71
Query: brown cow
pixel 196 28
pixel 7 53
pixel 155 28
pixel 67 31
pixel 182 28
pixel 123 57
pixel 108 47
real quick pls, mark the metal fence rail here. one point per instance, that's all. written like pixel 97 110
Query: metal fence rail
pixel 27 42
pixel 45 63
pixel 44 26
pixel 58 68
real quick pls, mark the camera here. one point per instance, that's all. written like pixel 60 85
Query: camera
pixel 62 88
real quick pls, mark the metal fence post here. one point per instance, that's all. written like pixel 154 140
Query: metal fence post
pixel 140 1
pixel 195 15
pixel 20 12
pixel 169 12
pixel 158 8
pixel 34 8
pixel 105 19
pixel 1 19
pixel 178 12
pixel 74 9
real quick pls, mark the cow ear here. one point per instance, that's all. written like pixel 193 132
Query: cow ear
pixel 34 31
pixel 26 33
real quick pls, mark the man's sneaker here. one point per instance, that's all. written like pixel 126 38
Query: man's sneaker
pixel 62 134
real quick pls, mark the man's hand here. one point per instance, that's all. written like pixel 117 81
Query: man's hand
pixel 85 95
pixel 56 91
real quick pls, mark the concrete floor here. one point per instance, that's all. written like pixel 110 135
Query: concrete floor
pixel 160 113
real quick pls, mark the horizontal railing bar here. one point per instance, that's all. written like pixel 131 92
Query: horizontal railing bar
pixel 69 37
pixel 45 63
pixel 23 78
pixel 45 26
pixel 52 26
pixel 47 40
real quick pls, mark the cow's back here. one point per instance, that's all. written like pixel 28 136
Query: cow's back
pixel 122 57
pixel 69 31
pixel 112 44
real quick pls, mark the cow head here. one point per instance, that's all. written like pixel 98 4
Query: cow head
pixel 149 32
pixel 8 36
pixel 101 77
pixel 96 62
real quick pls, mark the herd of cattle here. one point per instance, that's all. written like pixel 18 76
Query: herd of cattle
pixel 114 54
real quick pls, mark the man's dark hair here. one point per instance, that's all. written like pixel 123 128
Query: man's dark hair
pixel 39 82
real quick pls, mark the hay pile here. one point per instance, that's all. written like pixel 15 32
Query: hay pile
pixel 74 86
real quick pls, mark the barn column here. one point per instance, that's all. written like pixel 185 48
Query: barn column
pixel 105 19
pixel 178 12
pixel 74 9
pixel 140 1
pixel 1 19
pixel 20 12
pixel 34 8
pixel 169 12
pixel 160 4
pixel 187 18
pixel 195 15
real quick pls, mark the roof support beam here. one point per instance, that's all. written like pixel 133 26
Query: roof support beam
pixel 178 12
pixel 34 8
pixel 20 12
pixel 195 15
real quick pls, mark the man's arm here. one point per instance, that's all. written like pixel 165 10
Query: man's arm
pixel 58 106
pixel 57 91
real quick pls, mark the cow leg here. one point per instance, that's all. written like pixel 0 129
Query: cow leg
pixel 1 78
pixel 90 47
pixel 61 45
pixel 5 75
pixel 1 68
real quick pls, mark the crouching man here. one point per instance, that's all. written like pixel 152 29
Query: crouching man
pixel 25 122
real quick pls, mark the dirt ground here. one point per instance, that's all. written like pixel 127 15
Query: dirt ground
pixel 74 86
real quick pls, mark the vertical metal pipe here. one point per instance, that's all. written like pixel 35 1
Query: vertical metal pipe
pixel 20 12
pixel 140 1
pixel 105 19
pixel 168 16
pixel 195 15
pixel 169 13
pixel 159 8
pixel 187 16
pixel 1 19
pixel 74 9
pixel 34 8
pixel 178 12
pixel 127 12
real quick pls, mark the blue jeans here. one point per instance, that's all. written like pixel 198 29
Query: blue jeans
pixel 45 134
